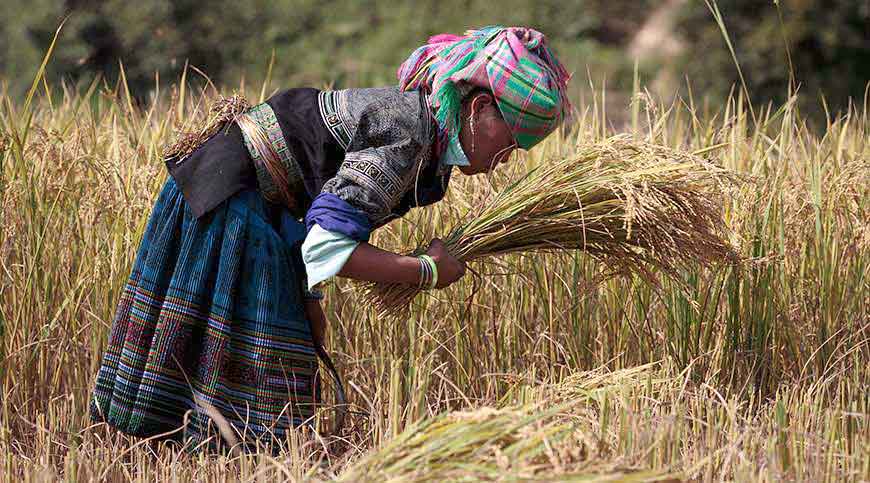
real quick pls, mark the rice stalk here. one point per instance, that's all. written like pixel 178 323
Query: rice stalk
pixel 221 112
pixel 634 206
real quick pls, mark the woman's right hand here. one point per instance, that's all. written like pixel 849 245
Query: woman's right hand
pixel 450 269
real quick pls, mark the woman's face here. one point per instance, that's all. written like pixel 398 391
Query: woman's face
pixel 485 137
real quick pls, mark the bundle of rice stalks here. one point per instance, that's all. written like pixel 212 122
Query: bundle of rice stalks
pixel 634 206
pixel 555 437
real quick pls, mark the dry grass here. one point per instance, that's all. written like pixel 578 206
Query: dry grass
pixel 720 374
pixel 222 111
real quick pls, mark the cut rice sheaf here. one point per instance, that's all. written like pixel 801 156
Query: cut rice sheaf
pixel 634 206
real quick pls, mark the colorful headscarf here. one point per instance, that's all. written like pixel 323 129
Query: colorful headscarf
pixel 514 63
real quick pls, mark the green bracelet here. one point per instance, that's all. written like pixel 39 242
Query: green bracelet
pixel 431 262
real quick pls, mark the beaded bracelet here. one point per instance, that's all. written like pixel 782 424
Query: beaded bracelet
pixel 433 269
pixel 425 274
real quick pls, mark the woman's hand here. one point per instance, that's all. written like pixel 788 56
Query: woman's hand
pixel 450 269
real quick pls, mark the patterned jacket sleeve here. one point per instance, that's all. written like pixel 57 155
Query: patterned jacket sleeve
pixel 390 144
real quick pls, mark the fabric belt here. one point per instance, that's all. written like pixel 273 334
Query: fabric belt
pixel 278 173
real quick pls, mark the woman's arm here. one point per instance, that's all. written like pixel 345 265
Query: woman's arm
pixel 368 262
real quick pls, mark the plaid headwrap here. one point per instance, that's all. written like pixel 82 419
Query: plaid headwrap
pixel 514 63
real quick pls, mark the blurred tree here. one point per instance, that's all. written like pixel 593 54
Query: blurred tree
pixel 829 43
pixel 344 42
pixel 362 42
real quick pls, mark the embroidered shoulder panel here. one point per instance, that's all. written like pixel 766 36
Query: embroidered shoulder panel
pixel 336 120
pixel 389 136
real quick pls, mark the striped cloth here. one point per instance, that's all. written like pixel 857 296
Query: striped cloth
pixel 212 312
pixel 514 63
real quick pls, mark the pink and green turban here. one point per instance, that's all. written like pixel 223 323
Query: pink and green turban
pixel 514 63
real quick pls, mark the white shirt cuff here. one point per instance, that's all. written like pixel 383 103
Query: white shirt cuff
pixel 325 253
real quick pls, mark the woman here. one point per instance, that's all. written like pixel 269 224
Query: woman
pixel 219 321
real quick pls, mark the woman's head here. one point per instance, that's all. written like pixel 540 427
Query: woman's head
pixel 485 137
pixel 525 90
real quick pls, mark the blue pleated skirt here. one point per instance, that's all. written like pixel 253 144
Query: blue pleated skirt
pixel 210 331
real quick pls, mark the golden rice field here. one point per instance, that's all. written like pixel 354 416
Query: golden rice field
pixel 753 372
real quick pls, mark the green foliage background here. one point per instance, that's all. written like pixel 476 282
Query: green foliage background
pixel 346 42
pixel 829 43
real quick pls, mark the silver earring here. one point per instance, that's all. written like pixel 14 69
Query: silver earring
pixel 471 121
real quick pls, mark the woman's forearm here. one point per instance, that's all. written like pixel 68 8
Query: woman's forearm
pixel 370 263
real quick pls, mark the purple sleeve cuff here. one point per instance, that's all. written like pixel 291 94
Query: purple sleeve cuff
pixel 336 215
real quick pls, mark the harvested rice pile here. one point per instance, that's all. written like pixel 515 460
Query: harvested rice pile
pixel 634 206
pixel 555 434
